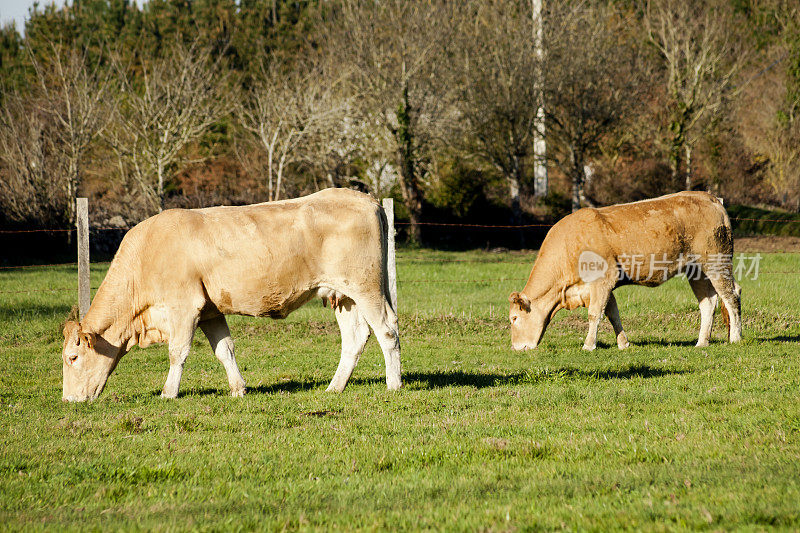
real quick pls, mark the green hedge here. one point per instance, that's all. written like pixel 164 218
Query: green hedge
pixel 755 221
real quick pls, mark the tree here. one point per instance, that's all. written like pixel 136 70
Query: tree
pixel 177 100
pixel 73 93
pixel 500 77
pixel 397 51
pixel 285 108
pixel 701 57
pixel 590 85
pixel 770 109
pixel 31 165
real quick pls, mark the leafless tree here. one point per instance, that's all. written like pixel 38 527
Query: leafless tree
pixel 179 98
pixel 500 77
pixel 31 164
pixel 289 108
pixel 73 94
pixel 701 56
pixel 396 49
pixel 769 111
pixel 590 83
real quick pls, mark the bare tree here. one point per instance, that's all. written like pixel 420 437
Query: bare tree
pixel 396 49
pixel 501 82
pixel 769 110
pixel 701 56
pixel 73 94
pixel 31 165
pixel 179 98
pixel 286 109
pixel 590 85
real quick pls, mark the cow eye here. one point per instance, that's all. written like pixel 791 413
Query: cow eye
pixel 513 319
pixel 72 358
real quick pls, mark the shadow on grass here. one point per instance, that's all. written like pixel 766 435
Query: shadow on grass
pixel 654 342
pixel 439 380
pixel 780 338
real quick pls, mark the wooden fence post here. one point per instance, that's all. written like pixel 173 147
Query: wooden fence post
pixel 391 264
pixel 84 283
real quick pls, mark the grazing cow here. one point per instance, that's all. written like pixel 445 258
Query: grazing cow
pixel 185 268
pixel 589 253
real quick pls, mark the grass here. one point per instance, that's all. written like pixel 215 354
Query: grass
pixel 663 436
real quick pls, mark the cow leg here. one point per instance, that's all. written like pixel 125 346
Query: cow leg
pixel 729 291
pixel 180 342
pixel 598 299
pixel 612 312
pixel 383 321
pixel 355 332
pixel 707 298
pixel 219 336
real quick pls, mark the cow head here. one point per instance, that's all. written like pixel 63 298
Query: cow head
pixel 88 361
pixel 528 321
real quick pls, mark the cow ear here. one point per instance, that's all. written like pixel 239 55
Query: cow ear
pixel 71 329
pixel 519 299
pixel 87 339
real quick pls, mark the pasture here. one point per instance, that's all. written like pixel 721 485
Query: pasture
pixel 661 436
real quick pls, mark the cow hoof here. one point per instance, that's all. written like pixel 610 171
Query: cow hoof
pixel 238 393
pixel 623 346
pixel 394 386
pixel 168 396
pixel 701 344
pixel 334 388
pixel 589 348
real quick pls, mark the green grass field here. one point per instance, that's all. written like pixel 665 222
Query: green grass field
pixel 662 436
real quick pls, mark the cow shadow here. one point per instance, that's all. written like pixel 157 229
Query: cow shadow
pixel 654 342
pixel 445 379
pixel 437 380
pixel 780 338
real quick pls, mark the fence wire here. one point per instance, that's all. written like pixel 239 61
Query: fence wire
pixel 524 259
pixel 442 224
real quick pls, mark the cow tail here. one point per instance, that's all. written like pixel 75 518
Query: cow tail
pixel 723 236
pixel 385 256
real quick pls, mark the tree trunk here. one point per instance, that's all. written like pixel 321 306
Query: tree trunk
pixel 279 180
pixel 586 180
pixel 72 191
pixel 576 163
pixel 514 181
pixel 409 183
pixel 412 196
pixel 160 171
pixel 269 174
pixel 677 142
pixel 688 167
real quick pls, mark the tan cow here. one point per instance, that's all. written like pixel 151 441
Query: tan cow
pixel 589 253
pixel 187 268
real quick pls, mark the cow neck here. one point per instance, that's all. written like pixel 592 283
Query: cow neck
pixel 543 279
pixel 546 283
pixel 111 313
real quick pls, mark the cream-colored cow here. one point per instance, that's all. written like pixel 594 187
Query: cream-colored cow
pixel 187 268
pixel 589 253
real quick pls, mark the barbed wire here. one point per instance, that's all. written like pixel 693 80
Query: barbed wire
pixel 442 224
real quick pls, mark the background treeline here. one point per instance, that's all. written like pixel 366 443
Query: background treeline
pixel 200 102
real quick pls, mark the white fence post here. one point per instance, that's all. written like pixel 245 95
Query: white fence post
pixel 84 283
pixel 391 264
